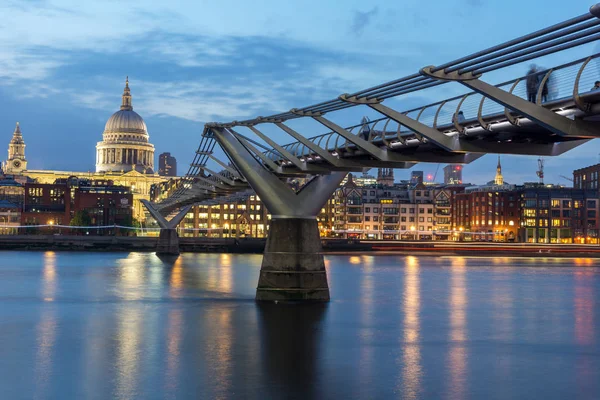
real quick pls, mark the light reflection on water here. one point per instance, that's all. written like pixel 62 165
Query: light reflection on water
pixel 457 357
pixel 76 325
pixel 411 377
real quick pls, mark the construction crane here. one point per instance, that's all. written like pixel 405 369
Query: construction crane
pixel 436 171
pixel 566 177
pixel 540 171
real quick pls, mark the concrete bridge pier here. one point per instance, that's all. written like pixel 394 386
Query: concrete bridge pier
pixel 168 242
pixel 168 239
pixel 293 268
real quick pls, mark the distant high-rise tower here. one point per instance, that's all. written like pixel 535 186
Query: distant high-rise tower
pixel 16 162
pixel 452 174
pixel 416 177
pixel 167 165
pixel 499 180
pixel 385 176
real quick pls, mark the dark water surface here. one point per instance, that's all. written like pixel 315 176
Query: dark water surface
pixel 130 326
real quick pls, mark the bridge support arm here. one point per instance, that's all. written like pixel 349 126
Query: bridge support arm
pixel 168 240
pixel 301 165
pixel 293 268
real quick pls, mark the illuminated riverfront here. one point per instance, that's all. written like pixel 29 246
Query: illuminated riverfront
pixel 376 200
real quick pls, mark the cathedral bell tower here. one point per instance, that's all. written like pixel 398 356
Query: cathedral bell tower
pixel 16 163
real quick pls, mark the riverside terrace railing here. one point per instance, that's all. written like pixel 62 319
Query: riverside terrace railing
pixel 567 87
pixel 565 35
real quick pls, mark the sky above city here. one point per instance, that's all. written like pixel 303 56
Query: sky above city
pixel 63 66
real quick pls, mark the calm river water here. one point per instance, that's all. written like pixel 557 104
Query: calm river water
pixel 130 326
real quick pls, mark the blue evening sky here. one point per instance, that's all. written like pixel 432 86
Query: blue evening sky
pixel 63 66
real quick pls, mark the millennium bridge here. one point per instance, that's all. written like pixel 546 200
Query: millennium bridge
pixel 505 118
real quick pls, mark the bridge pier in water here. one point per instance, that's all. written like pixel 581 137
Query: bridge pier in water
pixel 293 268
pixel 168 242
pixel 168 239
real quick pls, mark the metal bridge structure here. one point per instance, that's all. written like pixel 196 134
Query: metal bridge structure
pixel 546 112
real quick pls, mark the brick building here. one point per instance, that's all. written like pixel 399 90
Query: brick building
pixel 47 204
pixel 57 203
pixel 490 213
pixel 586 178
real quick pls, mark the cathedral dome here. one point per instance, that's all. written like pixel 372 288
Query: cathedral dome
pixel 125 121
pixel 125 145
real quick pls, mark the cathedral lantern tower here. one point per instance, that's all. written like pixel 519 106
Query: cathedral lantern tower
pixel 16 162
pixel 125 145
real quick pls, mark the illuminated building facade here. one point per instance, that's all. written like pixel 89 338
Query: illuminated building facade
pixel 559 215
pixel 380 212
pixel 246 216
pixel 138 183
pixel 486 214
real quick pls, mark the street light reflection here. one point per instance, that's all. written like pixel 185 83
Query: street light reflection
pixel 412 371
pixel 128 352
pixel 46 334
pixel 225 273
pixel 49 276
pixel 457 359
pixel 174 334
pixel 131 277
pixel 584 294
pixel 368 332
pixel 355 260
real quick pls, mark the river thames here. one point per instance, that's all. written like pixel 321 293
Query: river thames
pixel 130 326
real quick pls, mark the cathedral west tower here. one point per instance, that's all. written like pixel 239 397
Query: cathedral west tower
pixel 125 145
pixel 16 162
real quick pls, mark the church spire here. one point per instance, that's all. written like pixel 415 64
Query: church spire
pixel 126 104
pixel 499 179
pixel 17 136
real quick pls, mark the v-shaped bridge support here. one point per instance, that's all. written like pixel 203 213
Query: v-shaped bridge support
pixel 293 268
pixel 168 240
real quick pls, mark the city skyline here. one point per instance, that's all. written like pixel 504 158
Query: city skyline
pixel 61 81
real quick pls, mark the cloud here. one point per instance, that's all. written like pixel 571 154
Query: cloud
pixel 361 20
pixel 197 77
